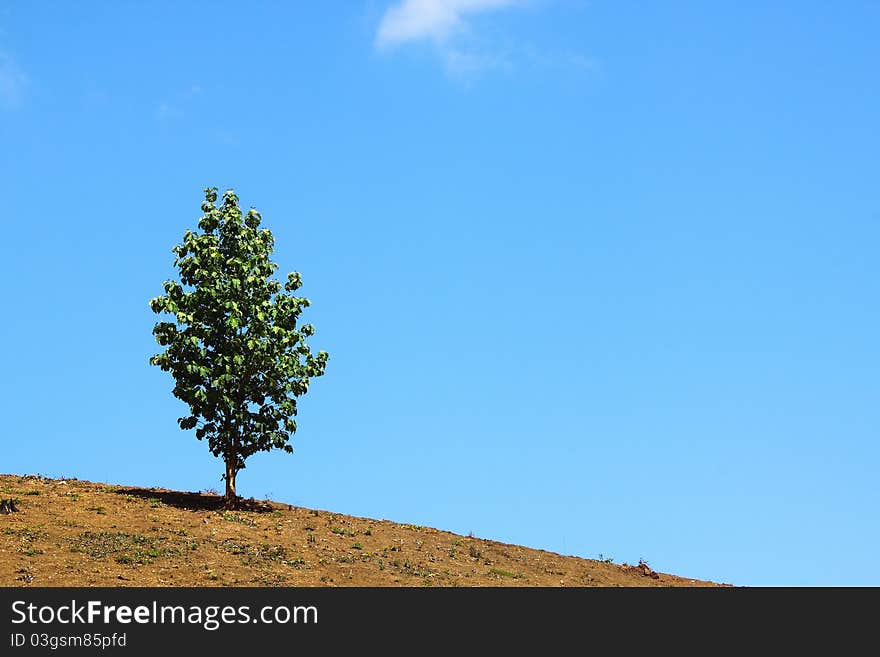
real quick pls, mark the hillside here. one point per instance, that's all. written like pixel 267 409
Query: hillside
pixel 79 533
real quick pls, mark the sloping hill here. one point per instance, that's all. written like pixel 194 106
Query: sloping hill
pixel 79 533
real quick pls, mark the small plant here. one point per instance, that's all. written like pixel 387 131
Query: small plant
pixel 504 573
pixel 605 559
pixel 271 552
pixel 369 531
pixel 30 535
pixel 311 538
pixel 357 546
pixel 234 517
pixel 342 531
pixel 31 492
pixel 211 491
pixel 154 503
pixel 235 547
pixel 474 552
pixel 100 510
pixel 126 549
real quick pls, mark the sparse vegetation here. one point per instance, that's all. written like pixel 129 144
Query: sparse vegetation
pixel 30 551
pixel 234 517
pixel 26 533
pixel 59 538
pixel 127 549
pixel 254 554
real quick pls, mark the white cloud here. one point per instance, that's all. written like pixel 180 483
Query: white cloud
pixel 465 53
pixel 434 20
pixel 12 82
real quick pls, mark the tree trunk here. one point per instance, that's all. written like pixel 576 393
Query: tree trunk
pixel 231 497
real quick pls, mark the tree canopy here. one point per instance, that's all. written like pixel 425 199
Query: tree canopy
pixel 237 356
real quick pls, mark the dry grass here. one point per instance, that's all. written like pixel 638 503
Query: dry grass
pixel 79 533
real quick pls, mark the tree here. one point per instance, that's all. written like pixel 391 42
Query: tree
pixel 238 359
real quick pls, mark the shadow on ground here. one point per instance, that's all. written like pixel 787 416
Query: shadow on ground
pixel 195 501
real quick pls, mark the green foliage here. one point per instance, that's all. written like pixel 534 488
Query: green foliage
pixel 129 549
pixel 237 356
pixel 231 517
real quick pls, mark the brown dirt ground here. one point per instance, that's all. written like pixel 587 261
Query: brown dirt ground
pixel 79 533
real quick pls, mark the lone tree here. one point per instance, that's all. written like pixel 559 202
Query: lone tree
pixel 238 359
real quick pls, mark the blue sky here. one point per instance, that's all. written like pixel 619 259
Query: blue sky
pixel 595 277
